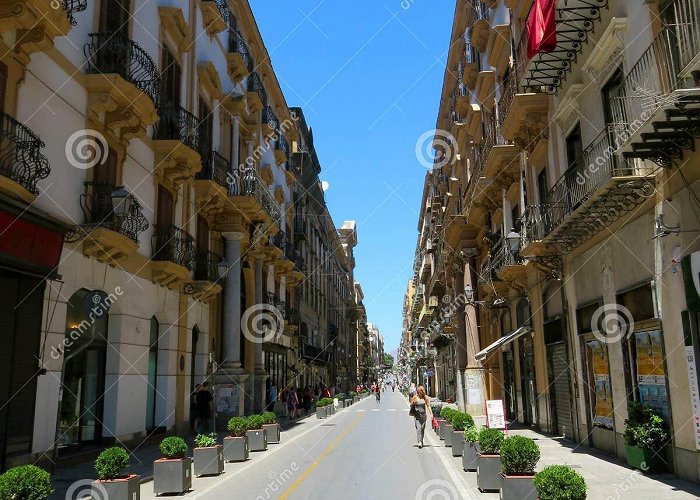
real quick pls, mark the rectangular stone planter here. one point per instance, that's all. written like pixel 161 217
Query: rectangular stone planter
pixel 448 434
pixel 517 487
pixel 208 461
pixel 341 404
pixel 488 472
pixel 273 433
pixel 172 475
pixel 457 443
pixel 469 453
pixel 348 402
pixel 441 429
pixel 257 440
pixel 236 449
pixel 355 399
pixel 128 488
pixel 321 412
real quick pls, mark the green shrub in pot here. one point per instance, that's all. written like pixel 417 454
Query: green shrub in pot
pixel 205 440
pixel 26 482
pixel 471 434
pixel 255 422
pixel 646 436
pixel 111 463
pixel 519 456
pixel 237 426
pixel 490 441
pixel 462 421
pixel 560 482
pixel 173 447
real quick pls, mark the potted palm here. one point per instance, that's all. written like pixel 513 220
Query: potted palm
pixel 272 428
pixel 646 437
pixel 488 460
pixel 557 482
pixel 460 422
pixel 519 456
pixel 111 480
pixel 172 472
pixel 236 445
pixel 208 455
pixel 27 482
pixel 470 448
pixel 257 439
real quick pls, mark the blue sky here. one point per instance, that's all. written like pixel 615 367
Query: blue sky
pixel 368 75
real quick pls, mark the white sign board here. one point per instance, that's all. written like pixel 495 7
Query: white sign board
pixel 495 414
pixel 694 393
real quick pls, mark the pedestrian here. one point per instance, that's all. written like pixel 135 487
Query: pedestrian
pixel 421 411
pixel 306 400
pixel 292 402
pixel 325 393
pixel 204 409
pixel 193 408
pixel 283 398
pixel 272 396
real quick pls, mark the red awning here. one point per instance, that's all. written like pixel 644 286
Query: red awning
pixel 25 241
pixel 541 28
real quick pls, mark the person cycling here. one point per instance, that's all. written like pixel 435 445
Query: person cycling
pixel 377 393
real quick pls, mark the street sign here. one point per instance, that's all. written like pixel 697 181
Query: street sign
pixel 495 414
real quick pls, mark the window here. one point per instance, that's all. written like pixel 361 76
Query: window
pixel 574 148
pixel 114 16
pixel 584 315
pixel 542 189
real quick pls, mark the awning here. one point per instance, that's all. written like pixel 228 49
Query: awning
pixel 502 341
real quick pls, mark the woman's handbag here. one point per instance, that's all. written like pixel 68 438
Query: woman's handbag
pixel 412 411
pixel 434 423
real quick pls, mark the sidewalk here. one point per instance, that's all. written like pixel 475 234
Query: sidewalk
pixel 606 477
pixel 81 470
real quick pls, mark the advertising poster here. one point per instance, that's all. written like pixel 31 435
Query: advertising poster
pixel 603 412
pixel 651 379
pixel 226 398
pixel 495 415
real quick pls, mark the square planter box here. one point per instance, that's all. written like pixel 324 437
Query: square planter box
pixel 330 410
pixel 488 472
pixel 441 429
pixel 341 404
pixel 321 412
pixel 448 434
pixel 355 399
pixel 257 440
pixel 172 475
pixel 128 488
pixel 457 443
pixel 518 487
pixel 208 461
pixel 273 433
pixel 236 449
pixel 348 402
pixel 469 453
pixel 646 460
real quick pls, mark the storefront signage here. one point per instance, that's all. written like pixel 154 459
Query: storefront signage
pixel 603 413
pixel 495 414
pixel 651 378
pixel 694 394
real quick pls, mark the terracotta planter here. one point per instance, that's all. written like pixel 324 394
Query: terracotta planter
pixel 236 449
pixel 257 440
pixel 448 434
pixel 469 452
pixel 518 487
pixel 123 488
pixel 457 443
pixel 273 433
pixel 488 472
pixel 172 475
pixel 208 461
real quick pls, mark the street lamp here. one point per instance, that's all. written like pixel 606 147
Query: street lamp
pixel 222 268
pixel 469 292
pixel 121 202
pixel 513 239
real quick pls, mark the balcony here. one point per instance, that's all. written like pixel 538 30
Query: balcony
pixel 293 317
pixel 206 277
pixel 123 84
pixel 252 198
pixel 282 150
pixel 22 164
pixel 314 354
pixel 176 142
pixel 173 255
pixel 508 265
pixel 595 192
pixel 238 58
pixel 657 110
pixel 479 34
pixel 211 184
pixel 215 15
pixel 470 69
pixel 523 115
pixel 109 238
pixel 500 156
pixel 255 93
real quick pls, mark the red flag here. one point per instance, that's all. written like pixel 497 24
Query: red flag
pixel 541 28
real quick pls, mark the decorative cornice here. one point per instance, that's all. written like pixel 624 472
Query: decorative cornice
pixel 607 52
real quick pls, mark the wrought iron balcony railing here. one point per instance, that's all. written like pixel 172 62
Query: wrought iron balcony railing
pixel 236 43
pixel 283 145
pixel 112 52
pixel 214 168
pixel 315 353
pixel 292 316
pixel 20 154
pixel 270 118
pixel 279 240
pixel 502 255
pixel 72 7
pixel 224 12
pixel 255 84
pixel 206 266
pixel 170 243
pixel 97 206
pixel 249 183
pixel 176 123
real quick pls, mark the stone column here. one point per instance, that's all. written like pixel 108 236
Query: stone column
pixel 231 342
pixel 259 361
pixel 460 340
pixel 474 373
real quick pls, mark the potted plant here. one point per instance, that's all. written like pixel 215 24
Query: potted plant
pixel 111 480
pixel 354 396
pixel 257 439
pixel 646 437
pixel 27 482
pixel 172 473
pixel 445 414
pixel 322 408
pixel 446 435
pixel 470 448
pixel 208 455
pixel 272 428
pixel 341 400
pixel 437 413
pixel 460 422
pixel 488 460
pixel 519 456
pixel 348 400
pixel 236 445
pixel 557 482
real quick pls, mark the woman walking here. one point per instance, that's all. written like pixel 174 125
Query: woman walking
pixel 292 402
pixel 420 406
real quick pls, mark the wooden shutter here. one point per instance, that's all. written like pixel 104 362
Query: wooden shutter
pixel 114 16
pixel 165 206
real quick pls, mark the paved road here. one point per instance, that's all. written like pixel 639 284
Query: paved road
pixel 366 451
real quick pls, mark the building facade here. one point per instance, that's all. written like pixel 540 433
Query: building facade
pixel 562 212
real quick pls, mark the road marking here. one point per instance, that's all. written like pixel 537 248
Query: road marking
pixel 315 463
pixel 391 409
pixel 405 409
pixel 359 410
pixel 375 409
